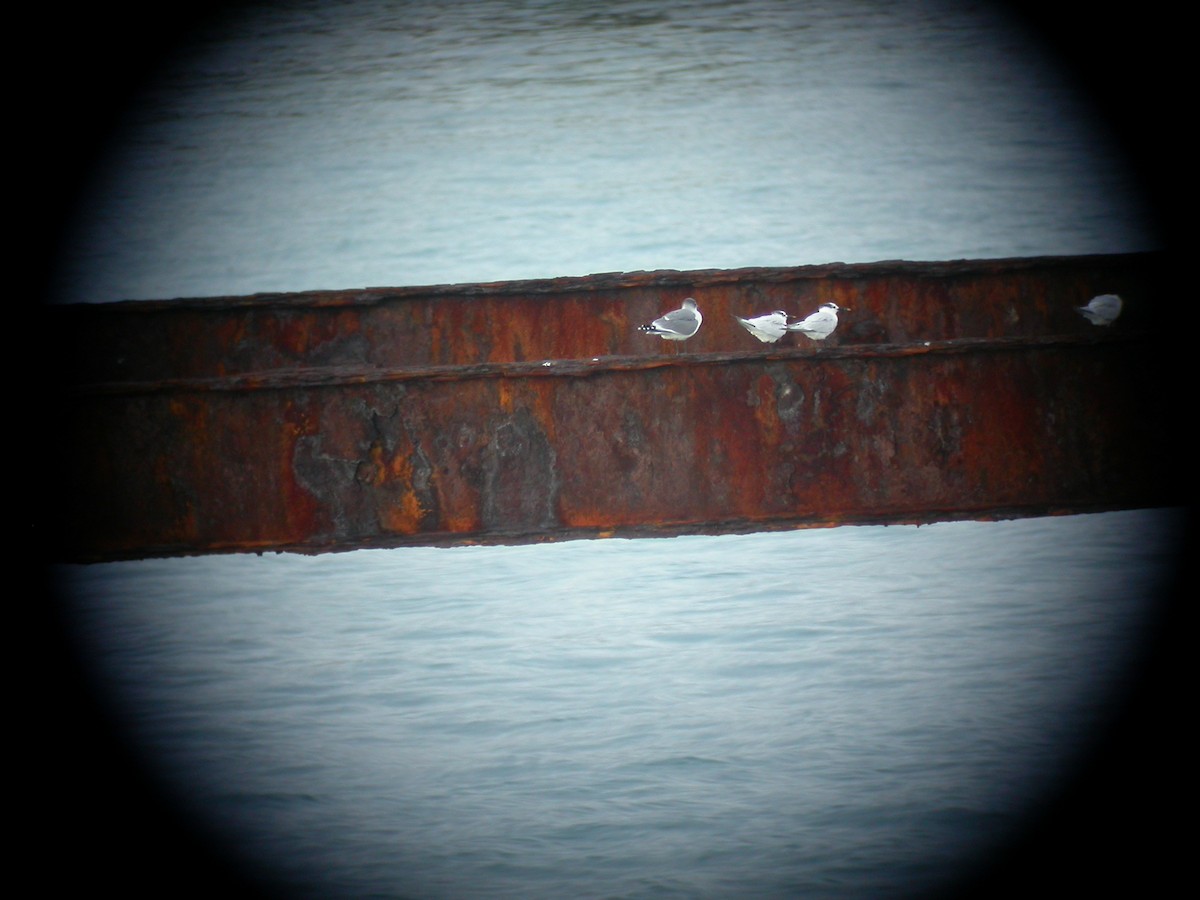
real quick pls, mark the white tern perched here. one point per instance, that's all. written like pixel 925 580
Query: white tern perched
pixel 820 324
pixel 767 328
pixel 1101 310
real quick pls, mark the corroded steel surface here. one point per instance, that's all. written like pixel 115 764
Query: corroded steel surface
pixel 535 410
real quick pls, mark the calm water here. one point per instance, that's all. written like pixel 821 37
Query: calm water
pixel 335 146
pixel 828 713
pixel 847 712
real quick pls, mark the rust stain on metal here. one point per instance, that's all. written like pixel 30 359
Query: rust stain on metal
pixel 535 411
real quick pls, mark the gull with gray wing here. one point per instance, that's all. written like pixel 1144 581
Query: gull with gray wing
pixel 677 325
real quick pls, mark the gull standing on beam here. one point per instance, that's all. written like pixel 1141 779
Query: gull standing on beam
pixel 1102 310
pixel 677 325
pixel 820 324
pixel 767 328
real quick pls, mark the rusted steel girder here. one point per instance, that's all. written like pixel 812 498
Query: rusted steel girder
pixel 529 411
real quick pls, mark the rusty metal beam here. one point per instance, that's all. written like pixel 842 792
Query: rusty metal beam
pixel 535 411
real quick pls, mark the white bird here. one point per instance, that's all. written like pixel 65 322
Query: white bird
pixel 677 325
pixel 1101 310
pixel 820 324
pixel 767 328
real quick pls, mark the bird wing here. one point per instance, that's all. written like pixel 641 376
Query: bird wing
pixel 767 328
pixel 821 320
pixel 678 321
pixel 1108 305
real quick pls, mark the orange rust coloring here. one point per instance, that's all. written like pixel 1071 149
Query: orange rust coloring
pixel 528 411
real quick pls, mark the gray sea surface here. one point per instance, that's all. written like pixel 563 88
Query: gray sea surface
pixel 841 712
pixel 321 145
pixel 849 712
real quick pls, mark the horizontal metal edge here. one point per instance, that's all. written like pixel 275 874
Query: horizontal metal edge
pixel 369 296
pixel 334 376
pixel 447 540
